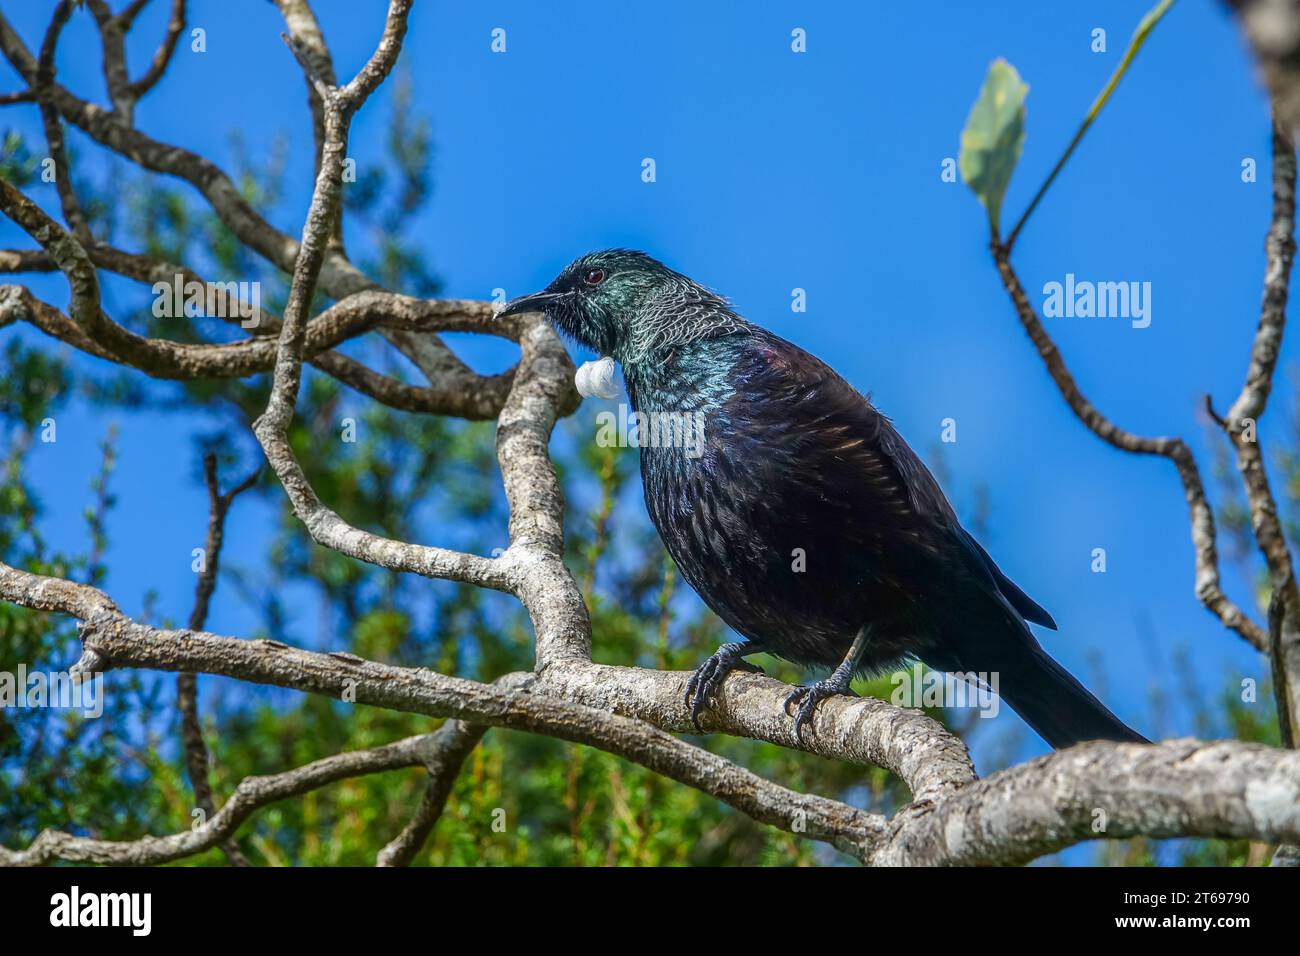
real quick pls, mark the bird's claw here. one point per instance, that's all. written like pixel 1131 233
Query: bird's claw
pixel 708 677
pixel 808 696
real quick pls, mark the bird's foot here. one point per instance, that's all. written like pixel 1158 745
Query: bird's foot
pixel 706 680
pixel 808 696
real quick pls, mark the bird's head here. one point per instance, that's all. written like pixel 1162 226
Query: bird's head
pixel 626 304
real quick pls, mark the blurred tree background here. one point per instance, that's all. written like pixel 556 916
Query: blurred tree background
pixel 407 476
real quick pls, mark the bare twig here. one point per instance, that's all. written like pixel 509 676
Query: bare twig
pixel 1241 426
pixel 72 212
pixel 271 429
pixel 311 49
pixel 448 748
pixel 1208 587
pixel 251 794
pixel 453 389
pixel 458 392
pixel 339 278
pixel 113 40
pixel 163 55
pixel 196 751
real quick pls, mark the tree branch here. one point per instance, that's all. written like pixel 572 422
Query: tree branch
pixel 252 794
pixel 110 639
pixel 1241 426
pixel 338 277
pixel 450 746
pixel 1208 588
pixel 53 125
pixel 1225 789
pixel 187 700
pixel 163 56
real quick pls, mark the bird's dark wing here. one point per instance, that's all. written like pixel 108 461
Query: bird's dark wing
pixel 863 457
pixel 1026 606
pixel 841 434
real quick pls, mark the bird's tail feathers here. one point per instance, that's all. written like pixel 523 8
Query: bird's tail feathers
pixel 1049 698
pixel 1057 706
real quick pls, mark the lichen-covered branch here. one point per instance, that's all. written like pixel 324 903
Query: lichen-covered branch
pixel 924 754
pixel 1178 788
pixel 1225 789
pixel 112 640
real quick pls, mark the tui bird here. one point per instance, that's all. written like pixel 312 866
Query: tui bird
pixel 795 462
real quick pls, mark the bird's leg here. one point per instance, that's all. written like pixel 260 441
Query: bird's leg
pixel 810 695
pixel 706 680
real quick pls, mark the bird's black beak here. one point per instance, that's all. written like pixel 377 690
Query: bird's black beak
pixel 537 302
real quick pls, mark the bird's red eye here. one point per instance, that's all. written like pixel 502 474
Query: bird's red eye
pixel 594 276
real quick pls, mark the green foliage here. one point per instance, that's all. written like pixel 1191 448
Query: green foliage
pixel 58 765
pixel 17 164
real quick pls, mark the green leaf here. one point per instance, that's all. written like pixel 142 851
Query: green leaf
pixel 993 137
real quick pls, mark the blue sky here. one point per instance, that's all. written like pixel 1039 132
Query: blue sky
pixel 778 170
